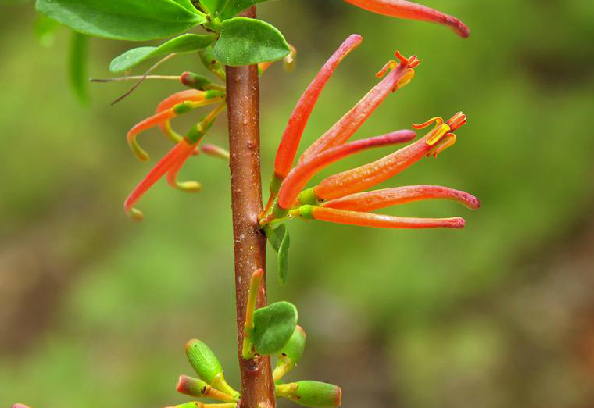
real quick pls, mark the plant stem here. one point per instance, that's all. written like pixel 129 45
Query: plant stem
pixel 257 387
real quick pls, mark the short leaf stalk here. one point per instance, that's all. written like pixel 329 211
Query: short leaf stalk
pixel 257 387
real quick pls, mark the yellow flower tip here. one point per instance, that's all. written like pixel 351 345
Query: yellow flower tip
pixel 138 151
pixel 135 214
pixel 189 186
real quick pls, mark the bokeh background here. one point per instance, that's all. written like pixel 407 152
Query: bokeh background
pixel 95 309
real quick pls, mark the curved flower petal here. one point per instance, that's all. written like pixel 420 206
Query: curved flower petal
pixel 287 149
pixel 412 11
pixel 375 220
pixel 374 200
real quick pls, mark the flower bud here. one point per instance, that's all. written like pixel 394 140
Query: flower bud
pixel 311 393
pixel 203 360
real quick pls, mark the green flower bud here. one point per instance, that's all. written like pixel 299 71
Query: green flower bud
pixel 311 393
pixel 203 360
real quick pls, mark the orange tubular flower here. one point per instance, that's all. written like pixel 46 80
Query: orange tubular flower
pixel 375 200
pixel 176 104
pixel 171 163
pixel 374 220
pixel 371 174
pixel 287 149
pixel 346 127
pixel 302 173
pixel 412 11
pixel 175 157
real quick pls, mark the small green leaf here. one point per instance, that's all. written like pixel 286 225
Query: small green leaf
pixel 234 7
pixel 246 41
pixel 273 327
pixel 182 44
pixel 78 65
pixel 130 20
pixel 280 241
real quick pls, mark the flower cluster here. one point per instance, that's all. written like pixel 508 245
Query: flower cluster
pixel 340 197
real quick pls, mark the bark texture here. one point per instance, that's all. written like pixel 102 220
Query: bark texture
pixel 257 387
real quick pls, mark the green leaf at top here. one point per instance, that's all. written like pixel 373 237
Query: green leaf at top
pixel 234 7
pixel 182 44
pixel 131 20
pixel 187 4
pixel 246 41
pixel 213 6
pixel 273 327
pixel 280 241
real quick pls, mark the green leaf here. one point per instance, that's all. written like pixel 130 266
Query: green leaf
pixel 187 4
pixel 273 327
pixel 78 65
pixel 234 7
pixel 182 44
pixel 213 6
pixel 280 241
pixel 246 41
pixel 130 20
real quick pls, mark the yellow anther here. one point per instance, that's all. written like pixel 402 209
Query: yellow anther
pixel 438 121
pixel 447 141
pixel 438 133
pixel 406 78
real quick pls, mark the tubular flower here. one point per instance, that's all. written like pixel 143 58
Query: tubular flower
pixel 362 219
pixel 412 11
pixel 399 76
pixel 375 200
pixel 371 174
pixel 174 105
pixel 171 163
pixel 302 173
pixel 287 150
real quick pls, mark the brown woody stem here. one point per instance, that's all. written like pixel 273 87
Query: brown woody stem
pixel 257 387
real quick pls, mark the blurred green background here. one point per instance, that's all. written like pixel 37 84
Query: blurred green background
pixel 95 309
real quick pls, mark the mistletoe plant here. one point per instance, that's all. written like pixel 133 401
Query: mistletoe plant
pixel 236 48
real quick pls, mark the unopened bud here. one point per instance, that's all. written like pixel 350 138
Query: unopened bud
pixel 311 393
pixel 203 360
pixel 195 81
